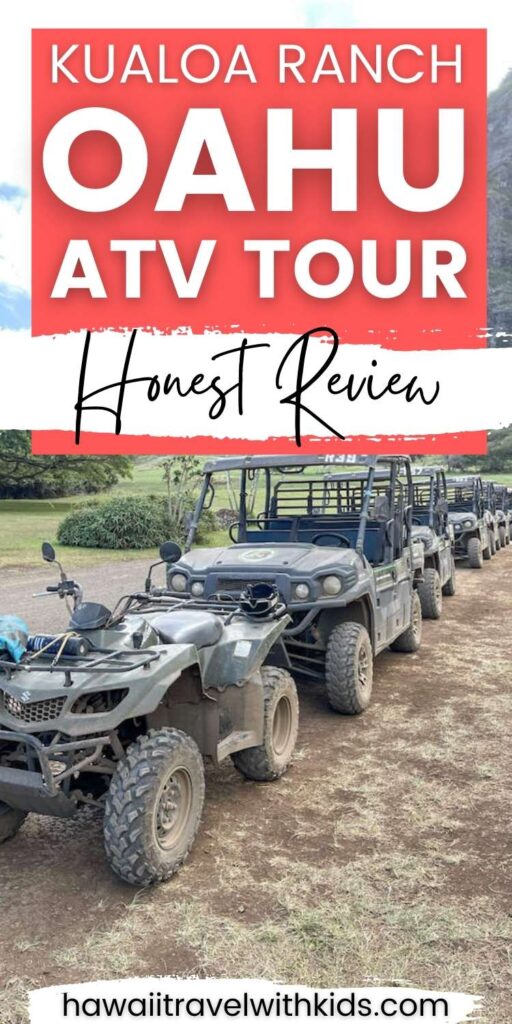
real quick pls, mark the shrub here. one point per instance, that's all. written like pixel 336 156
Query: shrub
pixel 121 523
pixel 117 523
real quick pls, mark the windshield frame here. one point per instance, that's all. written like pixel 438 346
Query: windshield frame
pixel 398 465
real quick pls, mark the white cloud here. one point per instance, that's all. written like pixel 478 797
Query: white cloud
pixel 14 250
pixel 494 15
pixel 18 19
pixel 17 22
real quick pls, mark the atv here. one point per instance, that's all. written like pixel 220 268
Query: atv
pixel 467 516
pixel 430 525
pixel 119 710
pixel 337 546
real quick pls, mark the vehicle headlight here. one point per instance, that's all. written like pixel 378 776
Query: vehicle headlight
pixel 302 591
pixel 197 588
pixel 458 527
pixel 331 585
pixel 468 522
pixel 178 582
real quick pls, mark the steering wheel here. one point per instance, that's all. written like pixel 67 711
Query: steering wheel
pixel 343 542
pixel 231 529
pixel 261 520
pixel 415 521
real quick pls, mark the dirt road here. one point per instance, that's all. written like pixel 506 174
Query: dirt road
pixel 384 856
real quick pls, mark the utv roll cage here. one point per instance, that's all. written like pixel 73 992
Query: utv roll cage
pixel 490 496
pixel 299 508
pixel 430 497
pixel 503 497
pixel 465 494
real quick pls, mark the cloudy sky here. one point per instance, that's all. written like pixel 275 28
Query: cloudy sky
pixel 17 20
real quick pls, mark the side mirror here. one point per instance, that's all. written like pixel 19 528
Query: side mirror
pixel 170 552
pixel 48 551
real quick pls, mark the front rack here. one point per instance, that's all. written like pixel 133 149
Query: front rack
pixel 101 659
pixel 98 660
pixel 219 604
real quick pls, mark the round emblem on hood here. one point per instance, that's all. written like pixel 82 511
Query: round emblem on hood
pixel 256 555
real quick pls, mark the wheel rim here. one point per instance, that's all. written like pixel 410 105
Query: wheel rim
pixel 282 726
pixel 363 666
pixel 172 807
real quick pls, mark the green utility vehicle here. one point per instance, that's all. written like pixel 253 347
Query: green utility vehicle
pixel 430 525
pixel 467 516
pixel 339 549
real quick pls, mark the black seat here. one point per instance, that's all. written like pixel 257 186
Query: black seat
pixel 188 627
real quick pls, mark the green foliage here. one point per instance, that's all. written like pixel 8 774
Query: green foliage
pixel 122 523
pixel 181 475
pixel 23 475
pixel 116 523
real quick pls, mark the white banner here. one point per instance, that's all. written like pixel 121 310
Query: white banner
pixel 222 1000
pixel 267 386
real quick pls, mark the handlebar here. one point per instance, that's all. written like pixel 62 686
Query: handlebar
pixel 64 589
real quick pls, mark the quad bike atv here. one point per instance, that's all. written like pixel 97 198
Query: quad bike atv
pixel 466 514
pixel 119 711
pixel 503 513
pixel 339 552
pixel 430 525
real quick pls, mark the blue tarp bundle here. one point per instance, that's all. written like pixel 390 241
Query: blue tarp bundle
pixel 13 636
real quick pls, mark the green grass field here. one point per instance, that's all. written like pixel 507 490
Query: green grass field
pixel 24 524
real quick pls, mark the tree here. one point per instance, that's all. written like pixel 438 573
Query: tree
pixel 497 460
pixel 23 475
pixel 181 477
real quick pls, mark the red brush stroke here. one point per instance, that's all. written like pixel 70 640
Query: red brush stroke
pixel 61 442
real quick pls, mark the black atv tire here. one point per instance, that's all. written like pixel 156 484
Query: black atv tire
pixel 409 641
pixel 503 536
pixel 450 586
pixel 492 543
pixel 11 821
pixel 159 772
pixel 281 724
pixel 475 553
pixel 349 668
pixel 431 594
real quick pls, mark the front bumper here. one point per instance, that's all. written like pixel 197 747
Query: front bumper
pixel 36 788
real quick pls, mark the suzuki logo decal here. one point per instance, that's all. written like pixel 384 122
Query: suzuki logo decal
pixel 25 696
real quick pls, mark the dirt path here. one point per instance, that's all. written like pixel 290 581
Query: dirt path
pixel 383 856
pixel 103 583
